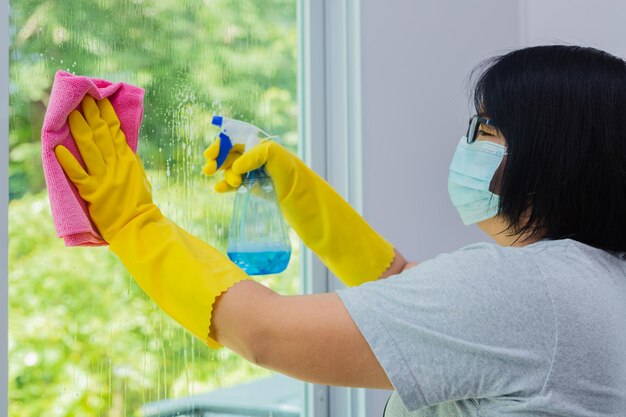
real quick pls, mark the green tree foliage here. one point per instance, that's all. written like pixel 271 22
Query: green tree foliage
pixel 193 58
pixel 84 340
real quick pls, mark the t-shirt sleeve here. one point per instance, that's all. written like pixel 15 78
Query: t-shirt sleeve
pixel 475 323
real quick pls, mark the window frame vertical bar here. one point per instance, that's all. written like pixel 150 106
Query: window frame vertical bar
pixel 344 142
pixel 312 150
pixel 329 95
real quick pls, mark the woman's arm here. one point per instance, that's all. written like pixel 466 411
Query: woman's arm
pixel 308 337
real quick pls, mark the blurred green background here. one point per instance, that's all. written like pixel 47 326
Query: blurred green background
pixel 83 338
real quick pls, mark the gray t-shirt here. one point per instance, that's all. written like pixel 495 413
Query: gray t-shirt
pixel 499 331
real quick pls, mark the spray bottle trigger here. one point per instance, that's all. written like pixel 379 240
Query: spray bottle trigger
pixel 225 146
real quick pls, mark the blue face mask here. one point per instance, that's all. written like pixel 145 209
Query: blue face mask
pixel 471 171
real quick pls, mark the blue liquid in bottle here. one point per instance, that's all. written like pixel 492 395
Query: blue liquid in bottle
pixel 261 263
pixel 258 240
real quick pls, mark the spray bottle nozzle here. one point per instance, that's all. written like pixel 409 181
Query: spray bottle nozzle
pixel 235 132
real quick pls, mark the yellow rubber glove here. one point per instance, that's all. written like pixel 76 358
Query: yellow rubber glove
pixel 181 273
pixel 325 222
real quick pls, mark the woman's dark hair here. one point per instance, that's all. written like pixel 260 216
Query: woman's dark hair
pixel 562 111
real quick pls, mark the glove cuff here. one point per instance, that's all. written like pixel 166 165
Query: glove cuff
pixel 180 272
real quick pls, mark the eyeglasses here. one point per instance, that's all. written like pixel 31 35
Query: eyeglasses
pixel 472 130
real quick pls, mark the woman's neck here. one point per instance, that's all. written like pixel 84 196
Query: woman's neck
pixel 496 228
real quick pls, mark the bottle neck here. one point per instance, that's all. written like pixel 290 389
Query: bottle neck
pixel 256 174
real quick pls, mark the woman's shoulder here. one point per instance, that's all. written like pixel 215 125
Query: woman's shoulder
pixel 492 252
pixel 495 264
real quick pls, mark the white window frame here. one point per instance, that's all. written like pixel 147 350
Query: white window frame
pixel 329 94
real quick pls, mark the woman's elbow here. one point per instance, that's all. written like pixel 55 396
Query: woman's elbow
pixel 263 335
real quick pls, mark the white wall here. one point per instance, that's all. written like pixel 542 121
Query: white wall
pixel 601 24
pixel 416 56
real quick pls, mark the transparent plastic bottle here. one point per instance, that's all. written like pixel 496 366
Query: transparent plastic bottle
pixel 258 240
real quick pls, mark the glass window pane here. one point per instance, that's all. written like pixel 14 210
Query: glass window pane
pixel 83 337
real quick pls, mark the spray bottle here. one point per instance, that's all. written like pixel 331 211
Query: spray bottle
pixel 258 241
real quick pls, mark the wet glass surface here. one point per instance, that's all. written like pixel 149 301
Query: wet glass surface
pixel 83 338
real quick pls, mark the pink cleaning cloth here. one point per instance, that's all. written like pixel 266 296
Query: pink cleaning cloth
pixel 69 210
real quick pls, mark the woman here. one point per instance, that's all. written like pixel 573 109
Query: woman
pixel 534 325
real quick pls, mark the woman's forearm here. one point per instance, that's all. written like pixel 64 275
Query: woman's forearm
pixel 308 337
